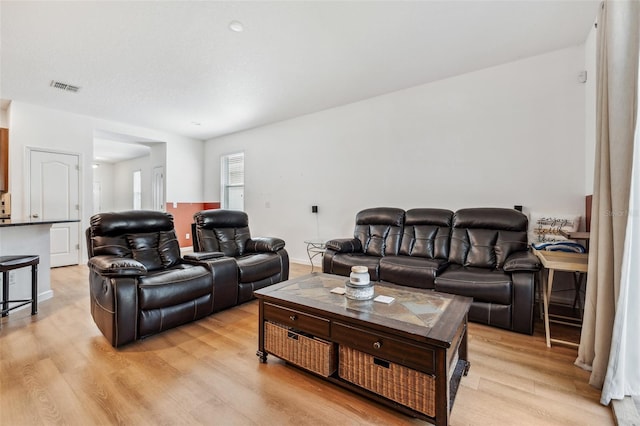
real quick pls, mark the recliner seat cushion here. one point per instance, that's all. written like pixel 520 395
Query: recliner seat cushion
pixel 410 271
pixel 182 283
pixel 341 264
pixel 481 284
pixel 255 267
pixel 153 321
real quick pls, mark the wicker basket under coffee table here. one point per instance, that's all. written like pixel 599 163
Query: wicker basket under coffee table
pixel 409 354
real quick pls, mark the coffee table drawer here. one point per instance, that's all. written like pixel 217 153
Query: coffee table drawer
pixel 297 320
pixel 401 352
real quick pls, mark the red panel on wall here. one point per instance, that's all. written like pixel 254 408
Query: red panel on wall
pixel 183 218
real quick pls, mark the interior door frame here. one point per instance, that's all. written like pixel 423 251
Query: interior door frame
pixel 158 191
pixel 27 186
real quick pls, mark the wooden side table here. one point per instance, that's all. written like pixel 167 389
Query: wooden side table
pixel 558 261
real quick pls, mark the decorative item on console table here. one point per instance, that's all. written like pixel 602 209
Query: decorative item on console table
pixel 359 286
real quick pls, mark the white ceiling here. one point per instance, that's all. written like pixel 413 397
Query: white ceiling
pixel 166 65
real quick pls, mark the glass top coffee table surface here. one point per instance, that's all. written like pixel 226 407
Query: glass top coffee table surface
pixel 413 310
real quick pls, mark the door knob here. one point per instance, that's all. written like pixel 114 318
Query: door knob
pixel 35 215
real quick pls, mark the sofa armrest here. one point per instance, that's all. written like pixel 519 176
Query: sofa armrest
pixel 114 306
pixel 114 266
pixel 264 244
pixel 345 245
pixel 203 255
pixel 524 283
pixel 522 261
pixel 225 281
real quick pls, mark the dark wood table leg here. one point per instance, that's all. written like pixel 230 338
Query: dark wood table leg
pixel 34 289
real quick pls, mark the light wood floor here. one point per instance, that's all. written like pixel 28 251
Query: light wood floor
pixel 56 368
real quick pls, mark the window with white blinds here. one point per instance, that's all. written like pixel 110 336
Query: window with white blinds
pixel 232 167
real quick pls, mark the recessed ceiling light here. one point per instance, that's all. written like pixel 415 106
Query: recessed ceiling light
pixel 236 26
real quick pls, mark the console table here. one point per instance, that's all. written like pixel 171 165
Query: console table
pixel 409 354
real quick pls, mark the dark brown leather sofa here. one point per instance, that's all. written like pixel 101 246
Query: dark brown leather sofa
pixel 139 283
pixel 260 261
pixel 478 252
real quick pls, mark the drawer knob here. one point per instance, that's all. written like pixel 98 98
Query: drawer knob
pixel 293 317
pixel 377 345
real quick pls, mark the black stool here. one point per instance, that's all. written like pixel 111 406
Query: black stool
pixel 9 263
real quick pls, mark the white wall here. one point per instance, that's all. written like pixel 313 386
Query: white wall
pixel 35 126
pixel 511 134
pixel 123 180
pixel 184 159
pixel 4 118
pixel 590 110
pixel 116 180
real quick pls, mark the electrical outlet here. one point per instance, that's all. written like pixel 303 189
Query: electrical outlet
pixel 187 236
pixel 12 278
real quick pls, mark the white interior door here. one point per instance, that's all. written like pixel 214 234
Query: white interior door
pixel 55 195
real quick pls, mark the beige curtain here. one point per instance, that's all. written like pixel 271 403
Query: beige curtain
pixel 617 77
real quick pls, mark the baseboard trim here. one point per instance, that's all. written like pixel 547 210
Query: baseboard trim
pixel 625 411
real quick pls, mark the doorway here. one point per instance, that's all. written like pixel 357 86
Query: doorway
pixel 54 194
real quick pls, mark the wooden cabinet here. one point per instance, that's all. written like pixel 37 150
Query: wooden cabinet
pixel 4 160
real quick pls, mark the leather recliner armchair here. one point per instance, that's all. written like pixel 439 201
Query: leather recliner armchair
pixel 261 261
pixel 139 283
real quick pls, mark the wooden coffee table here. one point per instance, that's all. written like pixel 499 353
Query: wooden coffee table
pixel 409 354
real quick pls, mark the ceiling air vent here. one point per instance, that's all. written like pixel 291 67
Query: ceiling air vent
pixel 63 86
